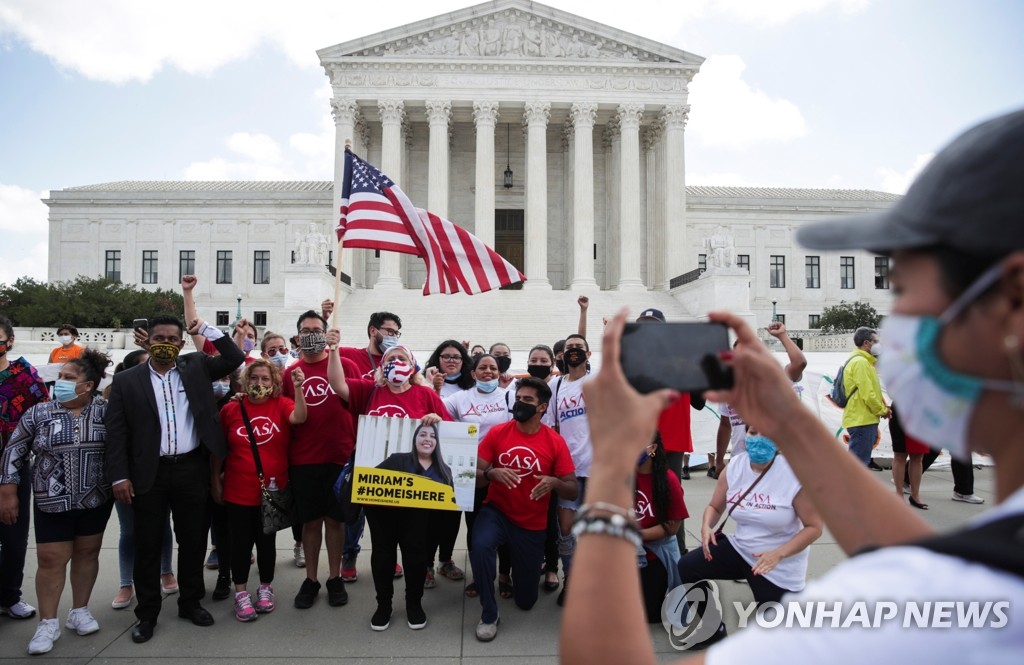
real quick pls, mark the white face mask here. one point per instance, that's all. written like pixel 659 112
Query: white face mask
pixel 65 339
pixel 935 403
pixel 281 359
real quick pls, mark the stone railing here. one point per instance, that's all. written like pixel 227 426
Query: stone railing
pixel 104 339
pixel 814 340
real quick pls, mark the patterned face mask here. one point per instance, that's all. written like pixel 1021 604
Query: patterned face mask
pixel 313 343
pixel 257 392
pixel 164 353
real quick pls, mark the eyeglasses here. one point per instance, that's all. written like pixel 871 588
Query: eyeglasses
pixel 451 359
pixel 391 332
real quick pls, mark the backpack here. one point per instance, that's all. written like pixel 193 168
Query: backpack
pixel 838 394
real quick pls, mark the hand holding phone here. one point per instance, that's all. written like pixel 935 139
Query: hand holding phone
pixel 683 356
pixel 140 324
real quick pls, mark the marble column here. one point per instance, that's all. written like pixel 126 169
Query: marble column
pixel 536 117
pixel 583 115
pixel 485 117
pixel 610 141
pixel 675 247
pixel 391 116
pixel 650 137
pixel 346 115
pixel 439 112
pixel 629 198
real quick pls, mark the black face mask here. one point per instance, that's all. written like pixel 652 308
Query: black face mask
pixel 539 371
pixel 504 362
pixel 574 357
pixel 560 364
pixel 521 411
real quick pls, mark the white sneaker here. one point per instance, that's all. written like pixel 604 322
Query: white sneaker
pixel 82 621
pixel 19 610
pixel 967 498
pixel 47 632
pixel 485 632
pixel 300 556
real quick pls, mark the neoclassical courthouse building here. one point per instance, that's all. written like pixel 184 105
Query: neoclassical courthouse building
pixel 557 140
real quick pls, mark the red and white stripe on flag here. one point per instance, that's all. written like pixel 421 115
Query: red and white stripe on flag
pixel 377 214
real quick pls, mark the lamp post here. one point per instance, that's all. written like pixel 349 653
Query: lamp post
pixel 508 157
pixel 774 315
pixel 238 312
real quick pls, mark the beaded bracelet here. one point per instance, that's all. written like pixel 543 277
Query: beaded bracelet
pixel 616 526
pixel 586 509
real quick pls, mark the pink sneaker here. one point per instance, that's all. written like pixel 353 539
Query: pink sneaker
pixel 244 610
pixel 265 599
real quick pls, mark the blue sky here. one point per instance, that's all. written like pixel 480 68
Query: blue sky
pixel 808 93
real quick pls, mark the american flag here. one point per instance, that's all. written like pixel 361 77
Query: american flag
pixel 376 214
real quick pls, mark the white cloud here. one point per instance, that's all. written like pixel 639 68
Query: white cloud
pixel 898 182
pixel 774 13
pixel 26 231
pixel 728 112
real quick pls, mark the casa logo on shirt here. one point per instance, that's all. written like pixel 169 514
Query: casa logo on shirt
pixel 480 410
pixel 263 429
pixel 316 389
pixel 643 506
pixel 521 460
pixel 392 410
pixel 571 407
pixel 754 500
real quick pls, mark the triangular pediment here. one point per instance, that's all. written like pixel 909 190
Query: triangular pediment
pixel 509 29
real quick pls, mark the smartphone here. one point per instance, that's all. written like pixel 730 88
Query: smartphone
pixel 140 324
pixel 683 356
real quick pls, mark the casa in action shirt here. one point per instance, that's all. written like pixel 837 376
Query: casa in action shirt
pixel 273 434
pixel 364 361
pixel 485 409
pixel 543 453
pixel 568 410
pixel 366 399
pixel 328 436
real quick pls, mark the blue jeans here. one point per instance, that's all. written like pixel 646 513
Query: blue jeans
pixel 862 438
pixel 14 543
pixel 490 530
pixel 126 544
pixel 352 535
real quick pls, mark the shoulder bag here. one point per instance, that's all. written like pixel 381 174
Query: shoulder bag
pixel 275 504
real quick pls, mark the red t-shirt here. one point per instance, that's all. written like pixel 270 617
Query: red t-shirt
pixel 543 453
pixel 674 426
pixel 643 500
pixel 416 402
pixel 363 360
pixel 273 433
pixel 328 436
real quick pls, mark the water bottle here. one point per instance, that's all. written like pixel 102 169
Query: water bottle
pixel 272 486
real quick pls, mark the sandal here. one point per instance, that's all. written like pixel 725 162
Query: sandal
pixel 505 589
pixel 450 570
pixel 917 504
pixel 471 591
pixel 549 584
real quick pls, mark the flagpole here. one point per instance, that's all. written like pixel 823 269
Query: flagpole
pixel 337 271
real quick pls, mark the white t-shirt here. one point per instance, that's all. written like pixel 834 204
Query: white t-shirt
pixel 449 389
pixel 899 575
pixel 738 438
pixel 766 519
pixel 569 411
pixel 486 409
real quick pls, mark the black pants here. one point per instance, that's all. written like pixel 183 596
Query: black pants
pixel 398 527
pixel 727 564
pixel 550 541
pixel 184 488
pixel 504 559
pixel 442 530
pixel 963 473
pixel 245 523
pixel 220 534
pixel 654 582
pixel 14 544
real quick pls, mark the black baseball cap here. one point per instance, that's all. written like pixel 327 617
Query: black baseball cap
pixel 969 198
pixel 654 314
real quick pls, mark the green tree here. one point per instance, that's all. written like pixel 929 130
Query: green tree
pixel 85 302
pixel 848 316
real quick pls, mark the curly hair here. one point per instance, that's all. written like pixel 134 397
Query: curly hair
pixel 275 374
pixel 93 365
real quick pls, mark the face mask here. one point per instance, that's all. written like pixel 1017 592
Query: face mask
pixel 397 372
pixel 65 339
pixel 574 357
pixel 65 390
pixel 487 386
pixel 522 411
pixel 248 345
pixel 164 354
pixel 385 343
pixel 220 389
pixel 539 371
pixel 257 392
pixel 454 378
pixel 280 359
pixel 313 343
pixel 935 403
pixel 560 364
pixel 3 349
pixel 761 449
pixel 875 349
pixel 504 362
pixel 294 353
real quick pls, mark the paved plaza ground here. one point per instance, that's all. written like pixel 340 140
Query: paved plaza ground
pixel 343 634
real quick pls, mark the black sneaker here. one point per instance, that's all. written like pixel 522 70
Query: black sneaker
pixel 307 594
pixel 223 588
pixel 381 618
pixel 875 467
pixel 336 594
pixel 685 475
pixel 417 617
pixel 561 594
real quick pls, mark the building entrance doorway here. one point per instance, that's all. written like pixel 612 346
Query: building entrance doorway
pixel 509 228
